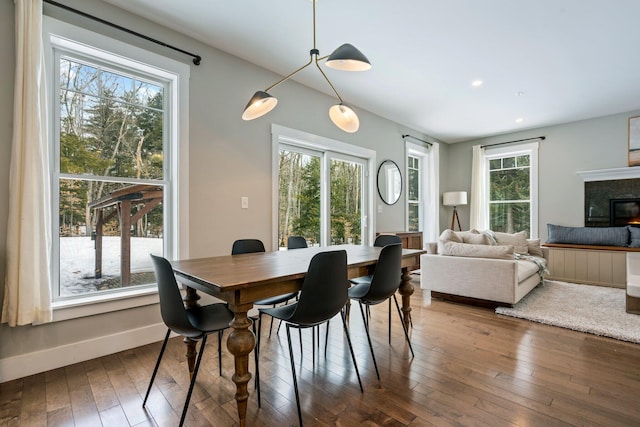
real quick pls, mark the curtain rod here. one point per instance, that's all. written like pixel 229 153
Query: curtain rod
pixel 417 139
pixel 542 138
pixel 196 58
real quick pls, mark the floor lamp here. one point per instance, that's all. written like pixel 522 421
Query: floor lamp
pixel 455 199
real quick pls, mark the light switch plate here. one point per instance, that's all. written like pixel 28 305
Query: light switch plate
pixel 244 202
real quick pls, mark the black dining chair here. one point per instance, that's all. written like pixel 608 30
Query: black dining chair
pixel 195 323
pixel 384 284
pixel 323 295
pixel 296 242
pixel 381 241
pixel 246 246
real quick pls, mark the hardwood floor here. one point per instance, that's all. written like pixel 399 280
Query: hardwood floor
pixel 472 368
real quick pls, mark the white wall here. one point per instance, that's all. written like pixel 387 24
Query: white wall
pixel 600 143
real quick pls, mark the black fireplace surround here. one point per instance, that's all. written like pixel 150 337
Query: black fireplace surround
pixel 611 203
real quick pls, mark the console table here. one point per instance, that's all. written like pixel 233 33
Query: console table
pixel 410 239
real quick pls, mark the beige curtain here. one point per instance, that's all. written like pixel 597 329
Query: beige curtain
pixel 27 292
pixel 479 206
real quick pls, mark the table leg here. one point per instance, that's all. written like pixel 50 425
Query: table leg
pixel 406 290
pixel 190 300
pixel 240 343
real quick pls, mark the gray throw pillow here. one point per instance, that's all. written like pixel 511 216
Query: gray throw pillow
pixel 597 236
pixel 634 233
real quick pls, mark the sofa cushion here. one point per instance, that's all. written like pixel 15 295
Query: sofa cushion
pixel 517 240
pixel 526 269
pixel 477 251
pixel 533 245
pixel 598 236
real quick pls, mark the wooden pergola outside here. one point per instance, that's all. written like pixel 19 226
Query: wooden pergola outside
pixel 120 203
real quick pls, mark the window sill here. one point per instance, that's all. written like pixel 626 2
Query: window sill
pixel 89 306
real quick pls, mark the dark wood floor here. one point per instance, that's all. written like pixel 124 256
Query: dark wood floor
pixel 471 368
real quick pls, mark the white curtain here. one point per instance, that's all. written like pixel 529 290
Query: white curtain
pixel 432 195
pixel 27 292
pixel 479 206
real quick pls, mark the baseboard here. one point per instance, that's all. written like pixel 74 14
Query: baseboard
pixel 12 368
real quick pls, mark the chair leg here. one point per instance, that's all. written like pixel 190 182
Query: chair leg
pixel 404 327
pixel 220 352
pixel 389 321
pixel 293 372
pixel 353 356
pixel 271 325
pixel 326 338
pixel 155 370
pixel 366 328
pixel 193 380
pixel 256 356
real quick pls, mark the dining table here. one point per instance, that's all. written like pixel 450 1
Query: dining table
pixel 242 279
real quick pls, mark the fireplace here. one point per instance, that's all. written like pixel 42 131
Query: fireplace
pixel 624 212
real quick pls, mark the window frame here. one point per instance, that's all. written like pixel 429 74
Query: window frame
pixel 60 36
pixel 329 149
pixel 530 149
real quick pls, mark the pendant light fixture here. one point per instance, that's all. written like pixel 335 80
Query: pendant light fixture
pixel 346 57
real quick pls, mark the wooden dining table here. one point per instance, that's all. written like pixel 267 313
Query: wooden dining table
pixel 242 279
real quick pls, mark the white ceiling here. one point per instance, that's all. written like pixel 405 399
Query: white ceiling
pixel 546 61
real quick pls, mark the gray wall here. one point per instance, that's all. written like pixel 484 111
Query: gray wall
pixel 229 158
pixel 600 143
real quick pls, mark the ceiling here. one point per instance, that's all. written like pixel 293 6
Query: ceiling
pixel 545 61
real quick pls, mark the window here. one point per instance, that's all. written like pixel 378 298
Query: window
pixel 323 189
pixel 414 192
pixel 512 189
pixel 115 173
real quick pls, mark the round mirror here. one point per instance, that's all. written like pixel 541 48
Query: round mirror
pixel 389 182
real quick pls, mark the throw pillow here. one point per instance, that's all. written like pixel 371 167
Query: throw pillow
pixel 603 236
pixel 534 247
pixel 517 240
pixel 475 251
pixel 634 233
pixel 475 238
pixel 450 236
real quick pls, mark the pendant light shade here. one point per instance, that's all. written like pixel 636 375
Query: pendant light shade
pixel 344 117
pixel 259 105
pixel 348 58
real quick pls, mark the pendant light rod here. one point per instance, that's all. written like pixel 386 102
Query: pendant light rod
pixel 345 57
pixel 290 75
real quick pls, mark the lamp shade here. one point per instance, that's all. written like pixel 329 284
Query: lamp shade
pixel 259 105
pixel 344 117
pixel 348 58
pixel 454 198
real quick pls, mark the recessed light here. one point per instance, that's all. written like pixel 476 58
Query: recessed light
pixel 476 83
pixel 519 120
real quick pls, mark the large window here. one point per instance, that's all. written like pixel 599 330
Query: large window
pixel 323 190
pixel 114 180
pixel 512 189
pixel 414 193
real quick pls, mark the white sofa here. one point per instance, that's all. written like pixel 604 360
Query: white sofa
pixel 485 273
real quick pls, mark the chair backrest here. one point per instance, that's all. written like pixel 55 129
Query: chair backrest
pixel 324 290
pixel 247 246
pixel 386 239
pixel 296 242
pixel 387 276
pixel 172 308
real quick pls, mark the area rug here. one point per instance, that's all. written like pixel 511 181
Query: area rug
pixel 593 309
